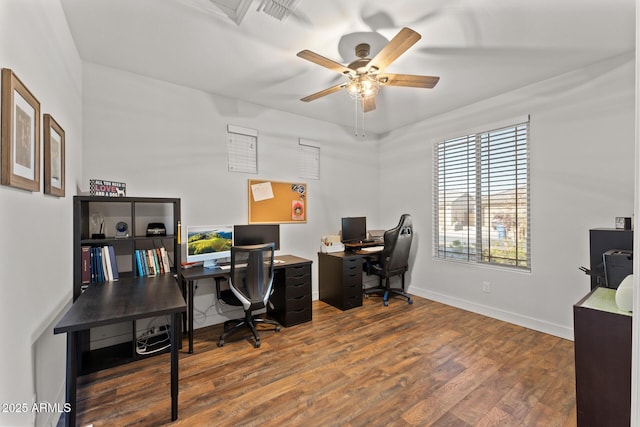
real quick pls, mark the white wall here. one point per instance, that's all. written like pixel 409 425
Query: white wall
pixel 170 141
pixel 582 176
pixel 36 229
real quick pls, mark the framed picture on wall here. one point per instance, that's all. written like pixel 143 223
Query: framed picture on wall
pixel 53 157
pixel 20 134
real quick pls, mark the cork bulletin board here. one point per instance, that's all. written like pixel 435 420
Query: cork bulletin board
pixel 277 202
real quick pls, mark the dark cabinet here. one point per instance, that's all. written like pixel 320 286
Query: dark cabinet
pixel 340 279
pixel 291 298
pixel 602 360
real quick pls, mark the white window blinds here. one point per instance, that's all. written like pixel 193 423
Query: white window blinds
pixel 242 149
pixel 308 159
pixel 481 197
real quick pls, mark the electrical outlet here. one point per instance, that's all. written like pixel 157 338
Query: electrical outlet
pixel 486 287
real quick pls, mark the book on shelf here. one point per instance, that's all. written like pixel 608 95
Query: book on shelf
pixel 98 264
pixel 154 259
pixel 114 265
pixel 85 263
pixel 151 262
pixel 138 264
pixel 99 269
pixel 106 264
pixel 165 259
pixel 158 258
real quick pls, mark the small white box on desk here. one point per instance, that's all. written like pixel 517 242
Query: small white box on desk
pixel 336 247
pixel 331 244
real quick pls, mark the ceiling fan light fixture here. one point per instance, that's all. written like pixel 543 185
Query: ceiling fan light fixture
pixel 363 86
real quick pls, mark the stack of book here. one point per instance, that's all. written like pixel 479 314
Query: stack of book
pixel 99 264
pixel 150 262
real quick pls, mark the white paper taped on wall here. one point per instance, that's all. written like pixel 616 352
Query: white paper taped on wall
pixel 262 191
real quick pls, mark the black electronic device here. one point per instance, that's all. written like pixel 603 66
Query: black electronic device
pixel 156 229
pixel 256 234
pixel 602 240
pixel 354 229
pixel 618 264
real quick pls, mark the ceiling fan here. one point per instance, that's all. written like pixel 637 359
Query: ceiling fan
pixel 366 75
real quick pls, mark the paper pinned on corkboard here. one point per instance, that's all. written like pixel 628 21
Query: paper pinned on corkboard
pixel 262 191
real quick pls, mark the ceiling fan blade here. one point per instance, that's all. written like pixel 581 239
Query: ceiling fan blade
pixel 368 104
pixel 408 80
pixel 396 47
pixel 325 62
pixel 322 93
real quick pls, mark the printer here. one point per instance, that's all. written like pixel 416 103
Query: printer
pixel 618 264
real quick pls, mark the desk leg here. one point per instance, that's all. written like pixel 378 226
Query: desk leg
pixel 175 322
pixel 190 308
pixel 183 290
pixel 72 374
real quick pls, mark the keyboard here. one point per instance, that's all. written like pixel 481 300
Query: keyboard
pixel 372 249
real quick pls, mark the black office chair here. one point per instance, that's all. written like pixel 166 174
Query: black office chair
pixel 393 260
pixel 251 281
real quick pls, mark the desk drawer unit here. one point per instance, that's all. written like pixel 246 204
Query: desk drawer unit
pixel 291 297
pixel 340 280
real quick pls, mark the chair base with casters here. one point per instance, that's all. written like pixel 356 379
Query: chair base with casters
pixel 229 298
pixel 249 322
pixel 388 291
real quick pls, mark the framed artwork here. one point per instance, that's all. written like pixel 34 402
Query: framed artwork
pixel 20 135
pixel 53 157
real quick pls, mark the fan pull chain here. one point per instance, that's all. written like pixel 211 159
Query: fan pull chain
pixel 358 101
pixel 362 111
pixel 355 100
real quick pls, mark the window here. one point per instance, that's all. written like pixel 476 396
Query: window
pixel 481 197
pixel 242 149
pixel 308 159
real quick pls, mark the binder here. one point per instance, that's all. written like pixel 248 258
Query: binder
pixel 85 262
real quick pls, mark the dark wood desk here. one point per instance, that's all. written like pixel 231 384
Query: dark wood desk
pixel 291 296
pixel 114 302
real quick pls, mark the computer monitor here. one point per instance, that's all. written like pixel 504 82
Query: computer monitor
pixel 354 229
pixel 209 243
pixel 256 234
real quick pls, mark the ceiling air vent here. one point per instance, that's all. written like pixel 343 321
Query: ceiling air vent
pixel 279 9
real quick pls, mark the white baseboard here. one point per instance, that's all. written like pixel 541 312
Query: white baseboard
pixel 505 316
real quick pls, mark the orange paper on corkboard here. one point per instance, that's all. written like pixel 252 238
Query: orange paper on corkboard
pixel 277 202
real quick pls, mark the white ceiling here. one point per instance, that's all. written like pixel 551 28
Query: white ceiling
pixel 479 48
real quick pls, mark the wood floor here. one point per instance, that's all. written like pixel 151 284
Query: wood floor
pixel 425 364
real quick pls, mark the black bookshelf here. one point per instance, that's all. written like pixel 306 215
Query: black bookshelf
pixel 137 213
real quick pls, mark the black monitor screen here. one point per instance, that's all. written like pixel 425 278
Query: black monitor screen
pixel 256 234
pixel 354 229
